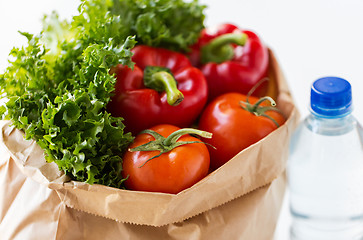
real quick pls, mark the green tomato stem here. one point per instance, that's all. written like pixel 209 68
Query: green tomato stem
pixel 172 138
pixel 261 100
pixel 164 145
pixel 258 110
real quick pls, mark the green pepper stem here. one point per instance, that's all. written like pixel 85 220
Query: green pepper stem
pixel 174 96
pixel 172 138
pixel 220 49
pixel 161 80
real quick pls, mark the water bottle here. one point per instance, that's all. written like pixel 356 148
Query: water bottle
pixel 325 167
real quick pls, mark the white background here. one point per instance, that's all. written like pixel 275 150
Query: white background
pixel 310 38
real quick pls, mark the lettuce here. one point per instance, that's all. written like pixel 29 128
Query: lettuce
pixel 172 24
pixel 58 87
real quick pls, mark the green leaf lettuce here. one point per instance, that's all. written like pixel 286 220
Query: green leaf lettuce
pixel 58 87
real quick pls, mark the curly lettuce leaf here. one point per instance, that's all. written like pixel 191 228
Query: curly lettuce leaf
pixel 171 24
pixel 58 87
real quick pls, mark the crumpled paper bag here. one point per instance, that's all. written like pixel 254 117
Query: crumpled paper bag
pixel 240 200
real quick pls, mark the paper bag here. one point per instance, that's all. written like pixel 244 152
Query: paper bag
pixel 240 200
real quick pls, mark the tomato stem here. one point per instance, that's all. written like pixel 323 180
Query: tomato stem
pixel 273 120
pixel 172 138
pixel 261 100
pixel 259 83
pixel 258 110
pixel 164 145
pixel 220 49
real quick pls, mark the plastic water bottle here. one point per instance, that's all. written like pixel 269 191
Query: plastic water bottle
pixel 325 168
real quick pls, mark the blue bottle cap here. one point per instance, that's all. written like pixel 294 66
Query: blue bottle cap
pixel 331 97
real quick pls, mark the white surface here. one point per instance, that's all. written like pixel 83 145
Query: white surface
pixel 311 39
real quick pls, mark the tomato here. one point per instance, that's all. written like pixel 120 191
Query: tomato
pixel 235 128
pixel 172 171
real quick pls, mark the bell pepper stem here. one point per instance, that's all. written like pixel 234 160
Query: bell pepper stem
pixel 161 80
pixel 220 48
pixel 174 96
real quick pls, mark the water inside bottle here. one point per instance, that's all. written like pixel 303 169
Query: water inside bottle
pixel 325 173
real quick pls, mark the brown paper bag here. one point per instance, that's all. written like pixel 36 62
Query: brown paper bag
pixel 240 200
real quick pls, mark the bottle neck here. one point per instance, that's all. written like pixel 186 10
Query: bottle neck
pixel 330 126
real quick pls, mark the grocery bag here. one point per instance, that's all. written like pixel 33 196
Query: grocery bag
pixel 240 200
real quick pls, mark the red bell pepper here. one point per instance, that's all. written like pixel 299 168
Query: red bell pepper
pixel 163 88
pixel 231 59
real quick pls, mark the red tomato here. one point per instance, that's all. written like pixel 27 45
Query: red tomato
pixel 172 171
pixel 233 127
